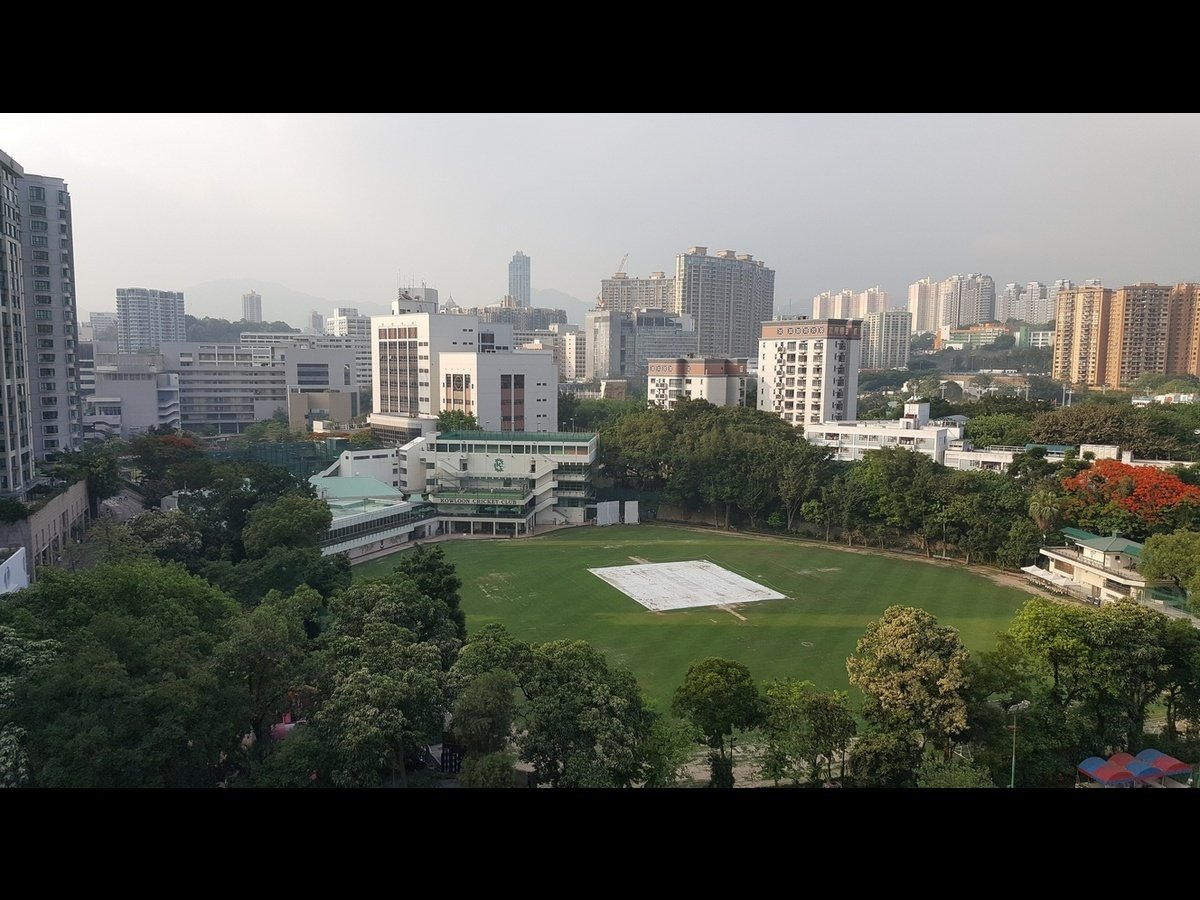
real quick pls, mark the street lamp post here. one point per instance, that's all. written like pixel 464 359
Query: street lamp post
pixel 1014 709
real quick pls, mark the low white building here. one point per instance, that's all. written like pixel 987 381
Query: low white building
pixel 852 440
pixel 369 515
pixel 478 482
pixel 132 394
pixel 722 382
pixel 1100 569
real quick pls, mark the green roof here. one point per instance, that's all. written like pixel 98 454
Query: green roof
pixel 354 487
pixel 1078 534
pixel 1114 545
pixel 528 437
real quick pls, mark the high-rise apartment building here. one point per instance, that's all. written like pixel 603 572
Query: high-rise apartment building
pixel 886 337
pixel 847 304
pixel 16 451
pixel 966 300
pixel 619 344
pixel 104 326
pixel 518 279
pixel 1112 338
pixel 1151 331
pixel 51 320
pixel 808 369
pixel 923 306
pixel 148 318
pixel 252 307
pixel 625 294
pixel 728 296
pixel 1081 334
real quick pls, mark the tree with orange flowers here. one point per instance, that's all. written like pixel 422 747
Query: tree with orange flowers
pixel 1135 500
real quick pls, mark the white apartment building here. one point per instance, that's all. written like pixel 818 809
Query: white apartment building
pixel 848 304
pixel 854 439
pixel 16 454
pixel 923 306
pixel 808 369
pixel 722 382
pixel 572 345
pixel 231 386
pixel 252 307
pixel 346 322
pixel 886 337
pixel 966 300
pixel 147 318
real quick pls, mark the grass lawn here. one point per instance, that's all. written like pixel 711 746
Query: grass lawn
pixel 540 590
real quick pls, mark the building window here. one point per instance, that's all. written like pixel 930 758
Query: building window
pixel 37 194
pixel 39 226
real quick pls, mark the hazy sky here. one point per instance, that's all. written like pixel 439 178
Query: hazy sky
pixel 351 206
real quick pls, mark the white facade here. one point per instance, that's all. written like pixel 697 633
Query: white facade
pixel 721 382
pixel 230 386
pixel 885 339
pixel 504 391
pixel 252 307
pixel 853 440
pixel 490 482
pixel 848 304
pixel 346 322
pixel 923 306
pixel 808 369
pixel 966 300
pixel 572 343
pixel 133 393
pixel 148 318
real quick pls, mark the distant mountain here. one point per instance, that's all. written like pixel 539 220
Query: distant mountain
pixel 552 299
pixel 223 300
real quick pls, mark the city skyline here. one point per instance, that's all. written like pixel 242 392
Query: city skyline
pixel 826 201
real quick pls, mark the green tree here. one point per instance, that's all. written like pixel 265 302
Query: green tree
pixel 492 770
pixel 885 759
pixel 457 420
pixel 171 536
pixel 585 722
pixel 291 521
pixel 937 772
pixel 482 716
pixel 1003 429
pixel 19 658
pixel 718 696
pixel 134 697
pixel 913 671
pixel 436 577
pixel 1045 507
pixel 832 727
pixel 786 730
pixel 97 464
pixel 1175 556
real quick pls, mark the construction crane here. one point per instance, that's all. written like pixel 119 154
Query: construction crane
pixel 621 267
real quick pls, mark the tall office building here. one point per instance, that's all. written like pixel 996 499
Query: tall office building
pixel 51 321
pixel 16 454
pixel 808 369
pixel 147 318
pixel 923 306
pixel 1081 334
pixel 252 307
pixel 885 339
pixel 316 323
pixel 728 296
pixel 625 294
pixel 518 279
